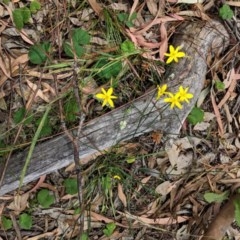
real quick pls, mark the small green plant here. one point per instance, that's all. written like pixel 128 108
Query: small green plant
pixel 110 227
pixel 225 12
pixel 214 197
pixel 108 69
pixel 22 15
pixel 127 19
pixel 25 221
pixel 6 223
pixel 45 198
pixel 71 186
pixel 35 6
pixel 38 53
pixel 219 85
pixel 75 46
pixel 195 116
pixel 20 115
pixel 127 47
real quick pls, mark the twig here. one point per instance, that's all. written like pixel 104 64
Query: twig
pixel 74 139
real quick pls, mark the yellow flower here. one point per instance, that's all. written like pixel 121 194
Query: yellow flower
pixel 174 100
pixel 161 90
pixel 184 95
pixel 174 54
pixel 117 177
pixel 106 97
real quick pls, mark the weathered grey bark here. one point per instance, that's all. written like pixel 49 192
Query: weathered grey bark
pixel 142 115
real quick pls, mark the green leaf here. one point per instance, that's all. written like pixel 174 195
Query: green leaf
pixel 71 50
pixel 219 85
pixel 26 14
pixel 196 116
pixel 19 115
pixel 106 183
pixel 214 197
pixel 44 198
pixel 122 17
pixel 225 12
pixel 128 47
pixel 71 186
pixel 68 49
pixel 80 37
pixel 237 211
pixel 71 110
pixel 35 6
pixel 18 19
pixel 84 236
pixel 108 69
pixel 110 227
pixel 6 223
pixel 38 53
pixel 25 221
pixel 46 129
pixel 126 19
pixel 131 160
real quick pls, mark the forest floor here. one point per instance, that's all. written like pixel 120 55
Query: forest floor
pixel 137 189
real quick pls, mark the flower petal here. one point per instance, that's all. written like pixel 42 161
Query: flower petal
pixel 100 96
pixel 171 49
pixel 110 91
pixel 180 54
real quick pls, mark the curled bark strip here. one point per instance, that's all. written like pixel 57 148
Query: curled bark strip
pixel 222 221
pixel 145 114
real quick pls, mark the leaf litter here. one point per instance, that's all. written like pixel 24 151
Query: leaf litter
pixel 166 197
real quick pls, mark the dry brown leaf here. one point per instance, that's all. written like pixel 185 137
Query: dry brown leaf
pixel 19 203
pixel 222 221
pixel 121 195
pixel 217 114
pixel 95 6
pixel 48 75
pixel 164 188
pixel 233 82
pixel 152 7
pixel 233 3
pixel 161 221
pixel 14 67
pixel 55 232
pixel 39 93
pixel 156 137
pixel 98 217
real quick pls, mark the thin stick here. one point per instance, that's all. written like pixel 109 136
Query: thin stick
pixel 75 140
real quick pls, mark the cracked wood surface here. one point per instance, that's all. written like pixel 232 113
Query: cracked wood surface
pixel 199 40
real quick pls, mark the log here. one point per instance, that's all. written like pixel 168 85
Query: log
pixel 142 115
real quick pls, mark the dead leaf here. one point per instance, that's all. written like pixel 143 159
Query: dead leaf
pixel 161 221
pixel 164 188
pixel 95 6
pixel 156 137
pixel 222 221
pixel 121 195
pixel 19 204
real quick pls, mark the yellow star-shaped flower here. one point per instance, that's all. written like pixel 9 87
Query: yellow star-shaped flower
pixel 174 100
pixel 184 95
pixel 174 54
pixel 106 97
pixel 161 91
